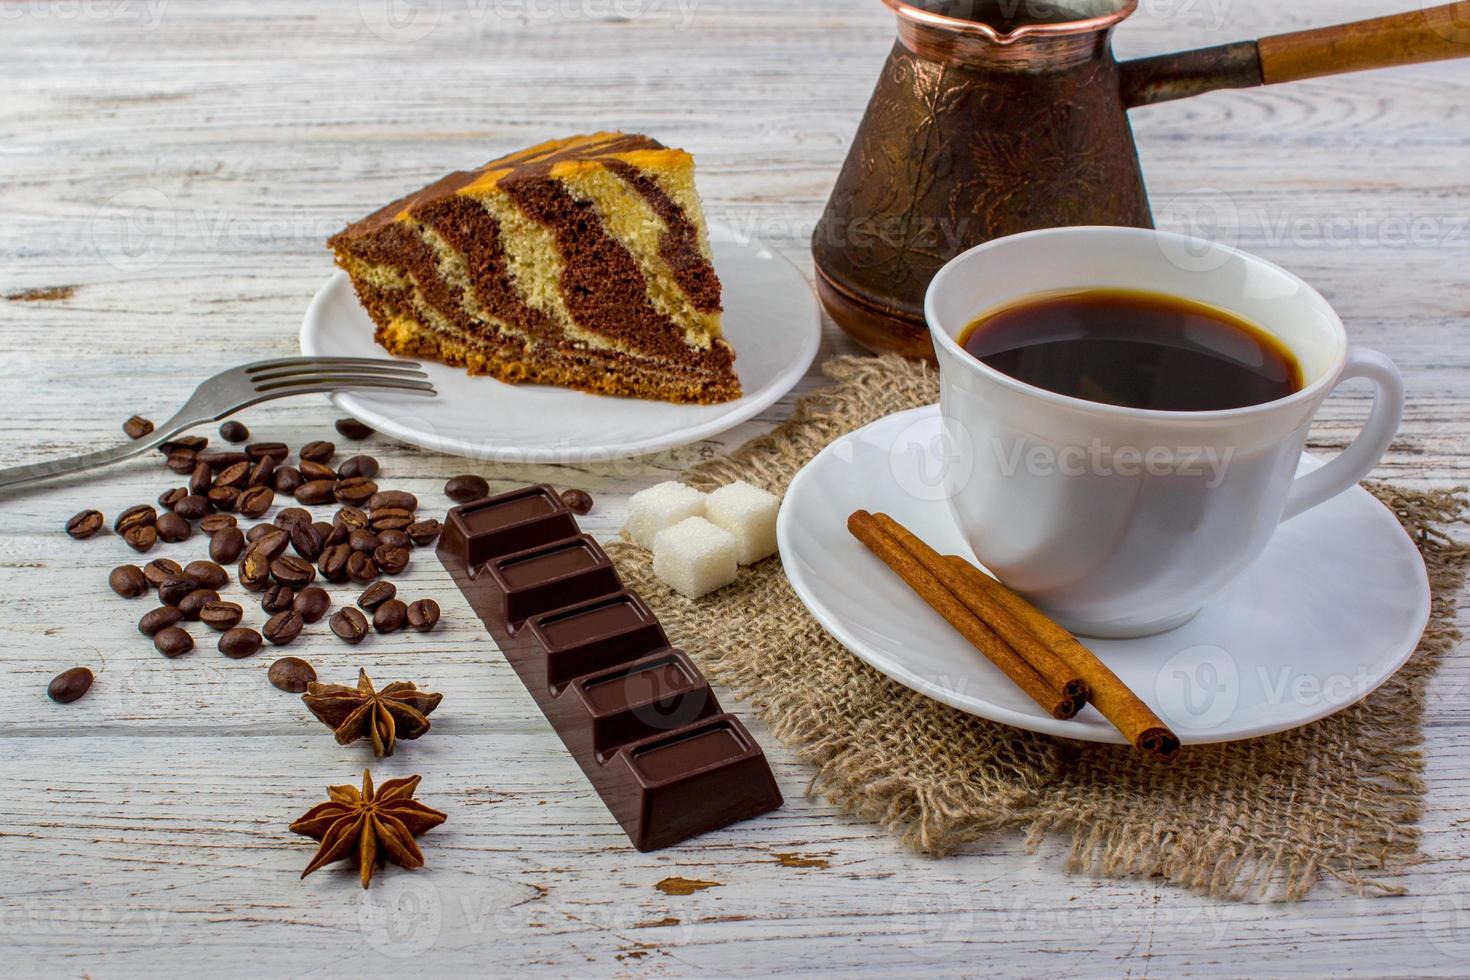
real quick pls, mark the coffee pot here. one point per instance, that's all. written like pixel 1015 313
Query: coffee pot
pixel 993 117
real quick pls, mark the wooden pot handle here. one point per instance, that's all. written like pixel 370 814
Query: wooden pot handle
pixel 1430 34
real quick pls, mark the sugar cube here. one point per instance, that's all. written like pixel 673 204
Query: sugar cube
pixel 695 557
pixel 749 513
pixel 661 506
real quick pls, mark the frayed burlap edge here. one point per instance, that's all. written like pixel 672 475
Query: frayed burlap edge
pixel 1269 817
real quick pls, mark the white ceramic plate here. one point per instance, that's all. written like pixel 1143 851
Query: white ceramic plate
pixel 771 318
pixel 1331 610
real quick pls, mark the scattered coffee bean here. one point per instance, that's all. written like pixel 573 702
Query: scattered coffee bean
pixel 155 620
pixel 312 603
pixel 233 431
pixel 226 545
pixel 271 542
pixel 577 501
pixel 287 480
pixel 255 571
pixel 289 517
pixel 193 604
pixel 351 517
pixel 397 499
pixel 333 562
pixel 69 685
pixel 395 539
pixel 424 532
pixel 363 540
pixel 283 627
pixel 293 571
pixel 173 528
pixel 85 524
pixel 221 616
pixel 255 501
pixel 316 492
pixel 307 541
pixel 233 476
pixel 140 515
pixel 182 461
pixel 208 574
pixel 160 570
pixel 171 591
pixel 194 444
pixel 172 641
pixel 255 533
pixel 324 531
pixel 317 451
pixel 291 674
pixel 391 560
pixel 349 625
pixel 262 474
pixel 223 498
pixel 218 459
pixel 260 450
pixel 376 594
pixel 463 489
pixel 360 567
pixel 355 490
pixel 312 471
pixel 390 616
pixel 391 519
pixel 169 499
pixel 353 429
pixel 277 598
pixel 239 643
pixel 141 538
pixel 364 466
pixel 193 508
pixel 137 427
pixel 201 479
pixel 128 581
pixel 423 614
pixel 215 523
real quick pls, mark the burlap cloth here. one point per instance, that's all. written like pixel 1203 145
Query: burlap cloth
pixel 1267 817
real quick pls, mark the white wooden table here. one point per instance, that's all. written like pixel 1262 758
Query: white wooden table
pixel 168 172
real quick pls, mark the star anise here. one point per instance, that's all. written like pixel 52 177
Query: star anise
pixel 399 710
pixel 369 826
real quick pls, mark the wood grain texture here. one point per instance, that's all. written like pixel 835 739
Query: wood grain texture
pixel 170 171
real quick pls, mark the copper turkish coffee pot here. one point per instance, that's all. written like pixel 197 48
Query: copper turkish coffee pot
pixel 994 117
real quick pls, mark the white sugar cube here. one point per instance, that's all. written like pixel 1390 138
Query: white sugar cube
pixel 749 513
pixel 661 506
pixel 695 557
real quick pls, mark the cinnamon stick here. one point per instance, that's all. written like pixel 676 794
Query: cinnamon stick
pixel 1110 695
pixel 929 588
pixel 1057 672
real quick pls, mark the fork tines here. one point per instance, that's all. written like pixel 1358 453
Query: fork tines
pixel 322 373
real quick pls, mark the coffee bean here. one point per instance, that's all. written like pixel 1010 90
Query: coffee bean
pixel 291 674
pixel 141 538
pixel 221 616
pixel 233 476
pixel 271 541
pixel 349 625
pixel 193 508
pixel 239 643
pixel 316 492
pixel 333 562
pixel 233 431
pixel 193 604
pixel 171 591
pixel 218 459
pixel 423 532
pixel 307 541
pixel 317 451
pixel 69 685
pixel 182 461
pixel 289 517
pixel 293 571
pixel 258 531
pixel 355 490
pixel 311 471
pixel 172 641
pixel 169 499
pixel 398 499
pixel 376 594
pixel 364 466
pixel 395 539
pixel 128 581
pixel 363 540
pixel 137 427
pixel 85 524
pixel 158 619
pixel 353 429
pixel 391 519
pixel 287 479
pixel 360 567
pixel 391 560
pixel 215 523
pixel 223 498
pixel 463 489
pixel 254 573
pixel 577 501
pixel 351 517
pixel 283 627
pixel 255 501
pixel 423 615
pixel 262 474
pixel 277 598
pixel 160 570
pixel 312 603
pixel 260 450
pixel 325 531
pixel 208 574
pixel 226 545
pixel 173 528
pixel 201 479
pixel 390 616
pixel 193 444
pixel 140 515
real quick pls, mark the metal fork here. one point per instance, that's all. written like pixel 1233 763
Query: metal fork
pixel 229 391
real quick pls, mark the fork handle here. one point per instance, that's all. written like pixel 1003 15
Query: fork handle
pixel 17 476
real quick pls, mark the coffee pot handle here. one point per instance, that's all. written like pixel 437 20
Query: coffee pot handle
pixel 1363 453
pixel 1431 34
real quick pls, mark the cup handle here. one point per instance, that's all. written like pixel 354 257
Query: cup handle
pixel 1358 459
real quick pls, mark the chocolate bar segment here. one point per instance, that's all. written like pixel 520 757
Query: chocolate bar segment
pixel 638 716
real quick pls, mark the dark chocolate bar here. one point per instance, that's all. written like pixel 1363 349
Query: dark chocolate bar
pixel 636 714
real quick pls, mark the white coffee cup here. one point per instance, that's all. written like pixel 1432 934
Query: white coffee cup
pixel 1120 521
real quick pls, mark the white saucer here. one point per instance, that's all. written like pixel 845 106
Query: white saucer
pixel 771 318
pixel 1331 610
